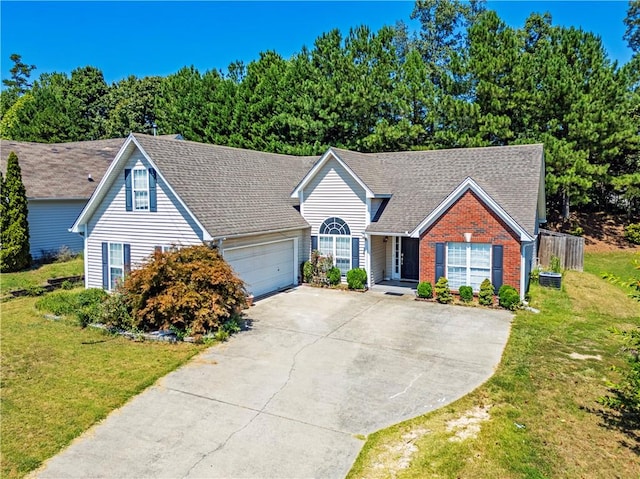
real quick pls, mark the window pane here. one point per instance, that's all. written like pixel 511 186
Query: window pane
pixel 343 247
pixel 116 275
pixel 343 264
pixel 325 245
pixel 480 255
pixel 140 179
pixel 141 200
pixel 478 275
pixel 457 276
pixel 457 254
pixel 116 257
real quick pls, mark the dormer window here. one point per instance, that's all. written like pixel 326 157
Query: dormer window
pixel 140 189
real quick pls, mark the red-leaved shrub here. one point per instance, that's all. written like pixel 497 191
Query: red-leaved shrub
pixel 192 289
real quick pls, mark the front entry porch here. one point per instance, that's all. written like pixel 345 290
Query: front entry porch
pixel 394 260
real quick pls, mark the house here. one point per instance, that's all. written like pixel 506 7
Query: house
pixel 467 214
pixel 59 179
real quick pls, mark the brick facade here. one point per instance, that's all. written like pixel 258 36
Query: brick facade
pixel 470 215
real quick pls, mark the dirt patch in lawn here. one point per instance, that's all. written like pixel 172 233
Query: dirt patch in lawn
pixel 468 426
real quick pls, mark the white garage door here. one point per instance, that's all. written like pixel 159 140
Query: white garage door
pixel 264 268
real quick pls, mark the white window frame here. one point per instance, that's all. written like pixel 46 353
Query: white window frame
pixel 135 190
pixel 168 248
pixel 334 246
pixel 115 266
pixel 334 249
pixel 468 266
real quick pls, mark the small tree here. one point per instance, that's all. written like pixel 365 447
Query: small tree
pixel 425 290
pixel 443 293
pixel 485 296
pixel 15 251
pixel 466 293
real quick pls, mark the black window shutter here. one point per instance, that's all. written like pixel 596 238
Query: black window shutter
pixel 105 265
pixel 355 252
pixel 496 266
pixel 127 189
pixel 153 197
pixel 439 261
pixel 314 243
pixel 126 249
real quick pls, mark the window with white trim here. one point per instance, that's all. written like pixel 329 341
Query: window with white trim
pixel 140 189
pixel 335 240
pixel 116 264
pixel 468 264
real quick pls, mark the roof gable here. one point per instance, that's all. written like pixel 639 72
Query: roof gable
pixel 114 173
pixel 330 154
pixel 470 185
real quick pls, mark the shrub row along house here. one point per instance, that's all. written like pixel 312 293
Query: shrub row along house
pixel 466 214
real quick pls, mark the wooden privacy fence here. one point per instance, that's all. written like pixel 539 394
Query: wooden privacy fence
pixel 569 248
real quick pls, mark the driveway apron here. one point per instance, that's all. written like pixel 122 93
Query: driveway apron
pixel 293 396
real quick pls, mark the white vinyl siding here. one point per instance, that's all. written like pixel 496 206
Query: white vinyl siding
pixel 333 192
pixel 143 231
pixel 49 223
pixel 378 258
pixel 468 264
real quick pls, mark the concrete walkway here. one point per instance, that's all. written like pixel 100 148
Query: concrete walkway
pixel 290 397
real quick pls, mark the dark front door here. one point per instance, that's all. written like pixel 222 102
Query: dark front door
pixel 409 258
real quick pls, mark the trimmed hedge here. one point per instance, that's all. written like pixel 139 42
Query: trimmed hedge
pixel 425 290
pixel 356 278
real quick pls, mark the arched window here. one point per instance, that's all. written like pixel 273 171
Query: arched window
pixel 334 226
pixel 335 240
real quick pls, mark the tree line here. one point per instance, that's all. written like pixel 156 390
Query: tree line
pixel 464 78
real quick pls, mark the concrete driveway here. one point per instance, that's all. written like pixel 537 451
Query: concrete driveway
pixel 289 397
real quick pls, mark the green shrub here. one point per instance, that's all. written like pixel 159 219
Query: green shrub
pixel 60 303
pixel 555 265
pixel 333 276
pixel 632 233
pixel 485 296
pixel 356 278
pixel 66 284
pixel 466 293
pixel 443 293
pixel 192 288
pixel 307 272
pixel 84 305
pixel 508 297
pixel 425 290
pixel 535 275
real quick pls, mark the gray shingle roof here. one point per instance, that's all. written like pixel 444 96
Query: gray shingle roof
pixel 60 170
pixel 231 191
pixel 420 180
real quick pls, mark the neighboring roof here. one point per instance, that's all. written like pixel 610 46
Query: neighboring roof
pixel 60 170
pixel 229 191
pixel 421 180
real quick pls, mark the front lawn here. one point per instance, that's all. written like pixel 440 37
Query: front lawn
pixel 58 379
pixel 39 275
pixel 538 416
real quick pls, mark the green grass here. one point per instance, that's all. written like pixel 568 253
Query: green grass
pixel 38 276
pixel 58 379
pixel 544 417
pixel 618 263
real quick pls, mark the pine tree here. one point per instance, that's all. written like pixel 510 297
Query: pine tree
pixel 14 254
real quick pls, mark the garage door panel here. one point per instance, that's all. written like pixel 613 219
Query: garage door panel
pixel 264 268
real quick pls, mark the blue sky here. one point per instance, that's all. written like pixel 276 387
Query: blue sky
pixel 158 38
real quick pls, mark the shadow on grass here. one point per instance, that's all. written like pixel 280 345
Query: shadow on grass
pixel 625 423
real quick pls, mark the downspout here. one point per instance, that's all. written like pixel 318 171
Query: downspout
pixel 85 235
pixel 367 257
